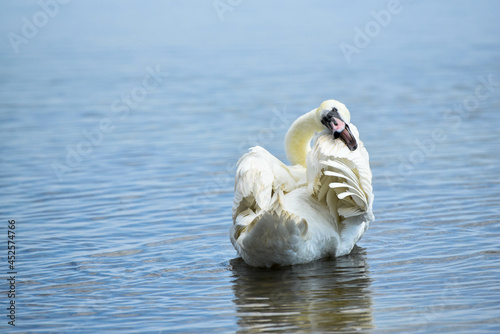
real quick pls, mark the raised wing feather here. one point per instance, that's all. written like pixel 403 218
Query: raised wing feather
pixel 332 167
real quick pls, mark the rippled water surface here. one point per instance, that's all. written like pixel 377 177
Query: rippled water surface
pixel 120 181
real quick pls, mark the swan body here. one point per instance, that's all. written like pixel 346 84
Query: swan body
pixel 318 207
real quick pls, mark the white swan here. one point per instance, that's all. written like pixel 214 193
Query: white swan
pixel 319 207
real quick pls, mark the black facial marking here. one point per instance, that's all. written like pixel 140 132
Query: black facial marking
pixel 330 117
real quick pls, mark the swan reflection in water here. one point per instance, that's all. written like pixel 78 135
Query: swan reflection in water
pixel 326 295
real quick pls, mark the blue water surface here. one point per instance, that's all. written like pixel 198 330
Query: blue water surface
pixel 121 123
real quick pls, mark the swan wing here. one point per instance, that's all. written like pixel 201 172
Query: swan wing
pixel 339 177
pixel 341 180
pixel 260 180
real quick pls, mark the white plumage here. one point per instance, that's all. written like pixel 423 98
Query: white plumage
pixel 319 207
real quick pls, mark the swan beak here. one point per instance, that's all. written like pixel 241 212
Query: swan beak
pixel 348 138
pixel 340 129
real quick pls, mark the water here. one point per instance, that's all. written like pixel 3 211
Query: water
pixel 128 230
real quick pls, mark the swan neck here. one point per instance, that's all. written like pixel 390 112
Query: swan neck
pixel 298 138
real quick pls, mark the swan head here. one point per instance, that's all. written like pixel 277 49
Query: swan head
pixel 336 118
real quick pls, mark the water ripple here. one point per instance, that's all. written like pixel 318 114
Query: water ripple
pixel 133 237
